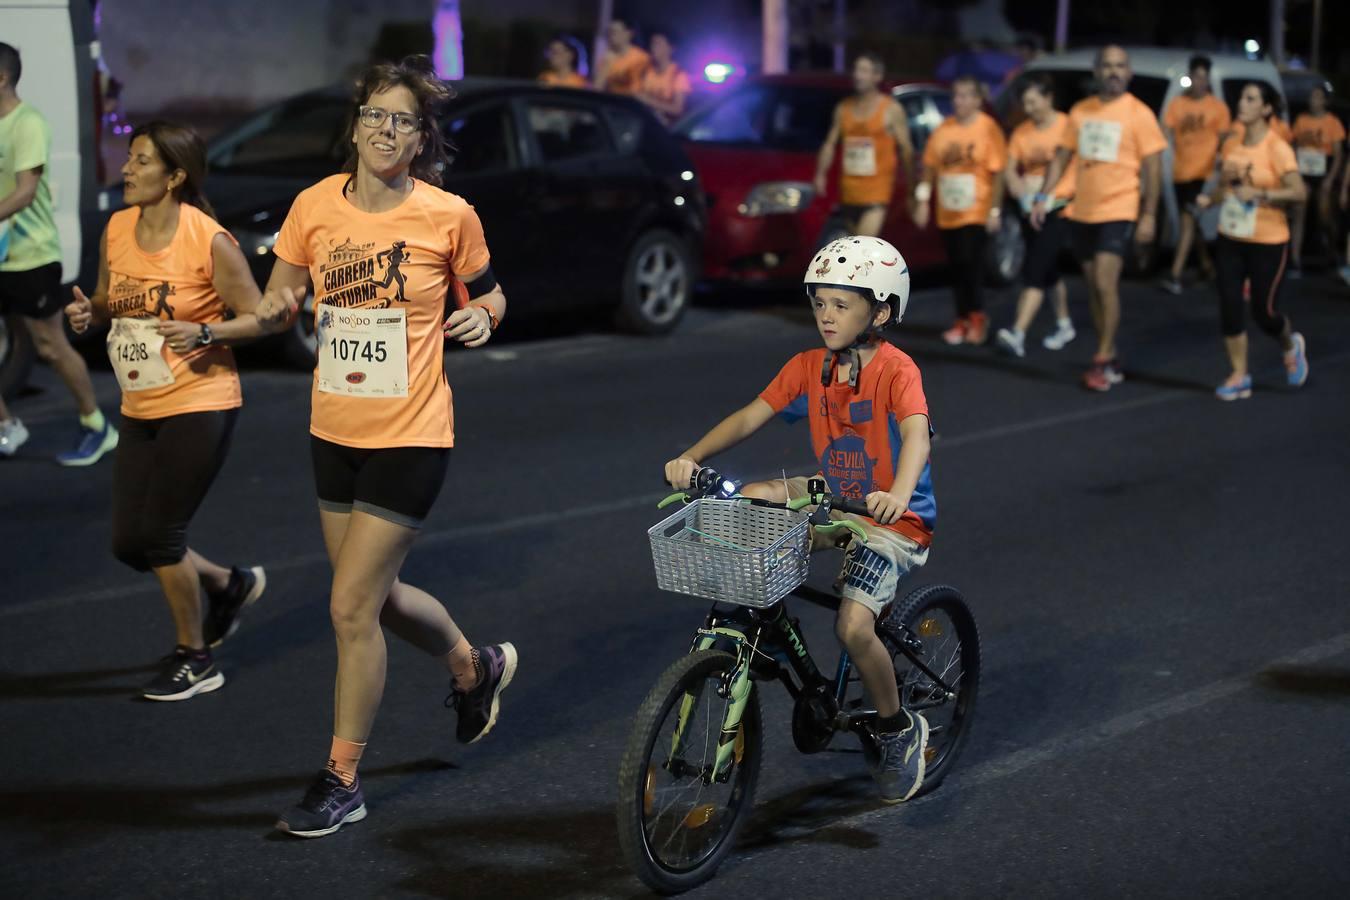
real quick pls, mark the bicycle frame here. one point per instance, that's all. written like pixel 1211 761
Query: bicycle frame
pixel 770 646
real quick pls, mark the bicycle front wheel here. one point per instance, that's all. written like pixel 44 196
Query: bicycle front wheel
pixel 678 817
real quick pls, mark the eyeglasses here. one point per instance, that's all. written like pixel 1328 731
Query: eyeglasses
pixel 373 117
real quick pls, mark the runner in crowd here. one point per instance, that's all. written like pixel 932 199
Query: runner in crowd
pixel 1030 151
pixel 180 388
pixel 1319 140
pixel 1259 176
pixel 1196 123
pixel 623 66
pixel 564 55
pixel 1119 147
pixel 382 422
pixel 965 158
pixel 665 87
pixel 30 267
pixel 1345 220
pixel 876 145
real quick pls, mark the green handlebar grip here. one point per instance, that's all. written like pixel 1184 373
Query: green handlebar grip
pixel 799 503
pixel 852 526
pixel 681 496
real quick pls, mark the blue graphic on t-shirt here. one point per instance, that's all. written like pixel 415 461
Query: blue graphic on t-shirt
pixel 860 412
pixel 847 467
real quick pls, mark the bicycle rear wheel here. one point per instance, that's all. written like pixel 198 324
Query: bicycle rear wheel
pixel 676 822
pixel 935 623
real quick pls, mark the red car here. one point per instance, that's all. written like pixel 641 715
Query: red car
pixel 755 151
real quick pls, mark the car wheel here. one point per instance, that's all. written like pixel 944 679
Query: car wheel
pixel 16 356
pixel 302 345
pixel 1007 251
pixel 657 282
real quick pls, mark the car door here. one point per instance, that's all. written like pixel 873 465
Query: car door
pixel 580 208
pixel 486 171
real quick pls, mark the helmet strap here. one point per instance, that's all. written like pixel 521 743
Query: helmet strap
pixel 854 366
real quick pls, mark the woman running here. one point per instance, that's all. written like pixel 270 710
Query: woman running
pixel 965 158
pixel 1319 137
pixel 564 57
pixel 665 87
pixel 1030 151
pixel 1258 178
pixel 382 422
pixel 168 273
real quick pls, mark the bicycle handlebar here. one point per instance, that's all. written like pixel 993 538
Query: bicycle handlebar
pixel 707 482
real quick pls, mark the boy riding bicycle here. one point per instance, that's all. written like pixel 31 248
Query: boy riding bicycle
pixel 870 431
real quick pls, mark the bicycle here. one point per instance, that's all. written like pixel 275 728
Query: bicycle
pixel 689 770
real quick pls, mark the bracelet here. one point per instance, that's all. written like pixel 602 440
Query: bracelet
pixel 923 192
pixel 1040 198
pixel 995 212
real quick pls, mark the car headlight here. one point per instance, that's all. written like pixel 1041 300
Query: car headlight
pixel 774 197
pixel 254 243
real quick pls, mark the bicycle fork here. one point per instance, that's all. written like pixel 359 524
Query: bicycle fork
pixel 735 687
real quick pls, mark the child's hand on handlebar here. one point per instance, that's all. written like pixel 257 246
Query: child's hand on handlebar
pixel 884 508
pixel 680 472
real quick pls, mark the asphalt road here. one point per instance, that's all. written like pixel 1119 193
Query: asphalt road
pixel 1160 581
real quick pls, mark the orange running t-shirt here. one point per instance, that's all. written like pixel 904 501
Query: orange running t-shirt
pixel 856 434
pixel 406 258
pixel 1197 125
pixel 1315 141
pixel 964 160
pixel 627 70
pixel 1279 127
pixel 870 158
pixel 1263 166
pixel 666 86
pixel 173 283
pixel 551 78
pixel 1111 141
pixel 1032 149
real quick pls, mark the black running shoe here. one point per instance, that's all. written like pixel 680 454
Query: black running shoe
pixel 222 617
pixel 478 708
pixel 326 807
pixel 184 674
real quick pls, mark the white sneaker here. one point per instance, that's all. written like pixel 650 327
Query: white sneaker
pixel 12 436
pixel 1061 338
pixel 1013 342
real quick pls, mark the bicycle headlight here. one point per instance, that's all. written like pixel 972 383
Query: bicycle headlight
pixel 776 197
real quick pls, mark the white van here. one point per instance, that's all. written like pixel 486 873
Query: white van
pixel 1158 78
pixel 56 41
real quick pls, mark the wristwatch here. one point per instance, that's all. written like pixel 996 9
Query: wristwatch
pixel 206 337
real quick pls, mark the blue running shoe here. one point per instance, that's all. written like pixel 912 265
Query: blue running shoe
pixel 1240 391
pixel 1296 361
pixel 93 446
pixel 899 768
pixel 326 807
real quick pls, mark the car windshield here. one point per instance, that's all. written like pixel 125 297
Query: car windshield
pixel 293 138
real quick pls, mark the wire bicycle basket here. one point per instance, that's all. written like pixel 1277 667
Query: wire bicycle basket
pixel 731 551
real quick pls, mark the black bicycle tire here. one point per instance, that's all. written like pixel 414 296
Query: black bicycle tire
pixel 647 723
pixel 954 604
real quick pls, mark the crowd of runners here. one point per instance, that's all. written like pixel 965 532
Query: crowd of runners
pixel 1089 180
pixel 384 251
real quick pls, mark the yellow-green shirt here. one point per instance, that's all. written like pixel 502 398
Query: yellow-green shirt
pixel 30 238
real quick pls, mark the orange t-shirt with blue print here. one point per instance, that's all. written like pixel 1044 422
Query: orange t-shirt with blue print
pixel 856 434
pixel 173 283
pixel 406 258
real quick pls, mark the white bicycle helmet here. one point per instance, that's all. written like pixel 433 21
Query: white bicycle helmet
pixel 860 262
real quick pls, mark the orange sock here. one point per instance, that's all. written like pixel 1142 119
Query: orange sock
pixel 344 758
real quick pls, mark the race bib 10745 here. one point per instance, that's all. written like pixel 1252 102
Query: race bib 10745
pixel 362 352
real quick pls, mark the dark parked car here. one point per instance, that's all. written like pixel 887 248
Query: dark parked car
pixel 584 197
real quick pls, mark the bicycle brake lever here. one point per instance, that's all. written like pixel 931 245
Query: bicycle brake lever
pixel 858 531
pixel 682 495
